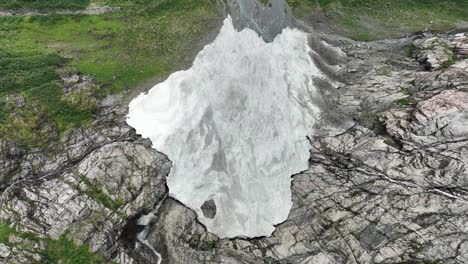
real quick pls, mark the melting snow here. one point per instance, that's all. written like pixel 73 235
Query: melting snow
pixel 234 126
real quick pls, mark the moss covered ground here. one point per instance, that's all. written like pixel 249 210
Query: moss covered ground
pixel 44 4
pixel 60 250
pixel 146 39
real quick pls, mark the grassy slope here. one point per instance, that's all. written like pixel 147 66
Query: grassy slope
pixel 146 39
pixel 377 19
pixel 44 4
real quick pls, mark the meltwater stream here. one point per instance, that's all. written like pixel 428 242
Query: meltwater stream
pixel 235 125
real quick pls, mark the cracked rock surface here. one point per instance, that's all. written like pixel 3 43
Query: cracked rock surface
pixel 87 191
pixel 391 189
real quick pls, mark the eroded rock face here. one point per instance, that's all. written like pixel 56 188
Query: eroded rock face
pixel 434 52
pixel 104 176
pixel 392 189
pixel 268 20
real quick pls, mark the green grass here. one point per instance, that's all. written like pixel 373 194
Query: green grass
pixel 453 59
pixel 44 4
pixel 56 251
pixel 125 48
pixel 405 101
pixel 147 39
pixel 407 91
pixel 410 51
pixel 5 232
pixel 66 252
pixel 26 69
pixel 98 195
pixel 376 19
pixel 64 114
pixel 31 72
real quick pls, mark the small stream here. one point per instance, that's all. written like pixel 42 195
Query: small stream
pixel 146 221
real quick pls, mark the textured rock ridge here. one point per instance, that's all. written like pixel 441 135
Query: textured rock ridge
pixel 268 20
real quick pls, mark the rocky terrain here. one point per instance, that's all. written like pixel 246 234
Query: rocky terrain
pixel 391 189
pixel 88 191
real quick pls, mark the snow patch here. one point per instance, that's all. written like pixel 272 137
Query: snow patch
pixel 234 126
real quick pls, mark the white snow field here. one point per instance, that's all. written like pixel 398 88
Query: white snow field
pixel 235 125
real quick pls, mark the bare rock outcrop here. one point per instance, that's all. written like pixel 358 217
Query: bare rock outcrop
pixel 434 52
pixel 99 179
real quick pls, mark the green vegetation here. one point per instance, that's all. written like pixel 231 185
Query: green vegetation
pixel 405 101
pixel 98 195
pixel 410 50
pixel 32 72
pixel 26 69
pixel 5 232
pixel 408 90
pixel 55 251
pixel 147 39
pixel 376 19
pixel 208 245
pixel 453 59
pixel 66 252
pixel 44 4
